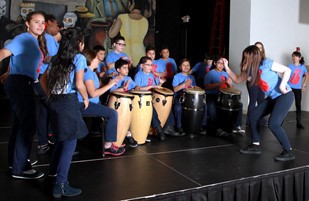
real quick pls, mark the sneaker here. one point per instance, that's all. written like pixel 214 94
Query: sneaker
pixel 131 141
pixel 202 130
pixel 43 149
pixel 51 138
pixel 29 174
pixel 221 133
pixel 29 165
pixel 148 139
pixel 285 156
pixel 114 150
pixel 239 130
pixel 252 149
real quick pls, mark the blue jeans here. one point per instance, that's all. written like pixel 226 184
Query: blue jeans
pixel 20 91
pixel 278 109
pixel 61 158
pixel 155 122
pixel 43 119
pixel 98 110
pixel 256 96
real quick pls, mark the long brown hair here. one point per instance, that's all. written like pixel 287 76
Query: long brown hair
pixel 250 62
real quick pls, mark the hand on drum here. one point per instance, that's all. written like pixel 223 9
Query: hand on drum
pixel 188 83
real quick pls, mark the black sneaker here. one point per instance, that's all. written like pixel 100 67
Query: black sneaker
pixel 148 139
pixel 202 130
pixel 51 138
pixel 114 150
pixel 285 156
pixel 29 174
pixel 29 165
pixel 43 149
pixel 252 149
pixel 131 141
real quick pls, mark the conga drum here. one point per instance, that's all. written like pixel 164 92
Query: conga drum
pixel 141 115
pixel 229 105
pixel 194 100
pixel 162 102
pixel 122 103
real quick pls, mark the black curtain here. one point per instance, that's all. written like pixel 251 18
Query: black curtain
pixel 287 185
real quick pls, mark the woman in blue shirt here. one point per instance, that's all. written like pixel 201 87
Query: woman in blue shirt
pixel 272 78
pixel 26 52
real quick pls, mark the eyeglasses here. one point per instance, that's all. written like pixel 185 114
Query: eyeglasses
pixel 121 44
pixel 147 64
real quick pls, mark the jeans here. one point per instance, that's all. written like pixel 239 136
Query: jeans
pixel 61 158
pixel 98 110
pixel 278 109
pixel 20 91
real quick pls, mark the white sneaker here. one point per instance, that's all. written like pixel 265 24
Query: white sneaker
pixel 239 130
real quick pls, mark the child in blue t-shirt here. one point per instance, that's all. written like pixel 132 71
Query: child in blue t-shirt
pixel 298 81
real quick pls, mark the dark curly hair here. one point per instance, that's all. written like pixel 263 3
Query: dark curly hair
pixel 62 63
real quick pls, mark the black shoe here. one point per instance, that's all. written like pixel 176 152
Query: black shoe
pixel 252 149
pixel 29 164
pixel 180 130
pixel 114 150
pixel 161 135
pixel 43 149
pixel 285 156
pixel 148 139
pixel 202 131
pixel 29 174
pixel 51 138
pixel 300 126
pixel 131 141
pixel 170 131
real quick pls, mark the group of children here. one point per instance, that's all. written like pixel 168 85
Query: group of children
pixel 73 84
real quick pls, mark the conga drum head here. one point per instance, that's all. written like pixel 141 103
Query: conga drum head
pixel 122 94
pixel 195 90
pixel 163 91
pixel 230 90
pixel 142 92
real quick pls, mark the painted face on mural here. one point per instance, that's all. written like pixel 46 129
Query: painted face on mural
pixel 26 8
pixel 2 8
pixel 69 19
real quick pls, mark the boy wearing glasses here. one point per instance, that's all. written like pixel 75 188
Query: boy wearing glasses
pixel 113 56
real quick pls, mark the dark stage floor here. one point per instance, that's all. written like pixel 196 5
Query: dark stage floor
pixel 177 164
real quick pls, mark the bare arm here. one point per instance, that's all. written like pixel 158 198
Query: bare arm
pixel 81 87
pixel 284 72
pixel 236 78
pixel 93 92
pixel 306 76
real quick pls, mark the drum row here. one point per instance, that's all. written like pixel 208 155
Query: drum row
pixel 135 109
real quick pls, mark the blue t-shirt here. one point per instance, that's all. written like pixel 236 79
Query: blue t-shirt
pixel 268 80
pixel 143 80
pixel 180 78
pixel 214 76
pixel 201 69
pixel 156 67
pixel 112 57
pixel 26 58
pixel 90 75
pixel 80 63
pixel 297 74
pixel 101 67
pixel 131 86
pixel 169 66
pixel 110 71
pixel 52 47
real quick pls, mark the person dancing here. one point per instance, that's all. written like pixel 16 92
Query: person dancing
pixel 272 78
pixel 61 81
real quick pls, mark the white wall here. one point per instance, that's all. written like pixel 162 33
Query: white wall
pixel 278 24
